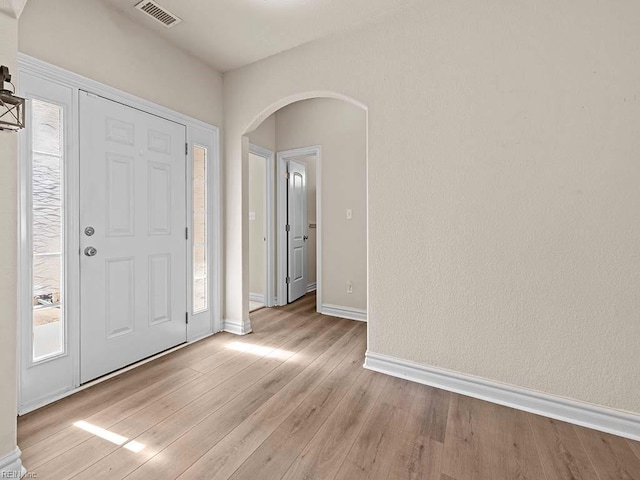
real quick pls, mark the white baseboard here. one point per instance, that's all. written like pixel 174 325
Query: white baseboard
pixel 344 312
pixel 11 465
pixel 312 287
pixel 256 297
pixel 237 327
pixel 572 411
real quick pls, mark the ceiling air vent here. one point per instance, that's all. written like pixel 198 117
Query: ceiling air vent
pixel 158 13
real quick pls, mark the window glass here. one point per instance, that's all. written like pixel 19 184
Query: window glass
pixel 200 254
pixel 47 154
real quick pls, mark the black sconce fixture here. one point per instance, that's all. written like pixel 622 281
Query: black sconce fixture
pixel 11 106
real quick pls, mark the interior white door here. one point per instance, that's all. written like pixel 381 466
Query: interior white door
pixel 297 232
pixel 132 235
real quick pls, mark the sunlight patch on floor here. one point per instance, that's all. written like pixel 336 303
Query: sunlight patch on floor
pixel 101 432
pixel 134 446
pixel 259 350
pixel 109 436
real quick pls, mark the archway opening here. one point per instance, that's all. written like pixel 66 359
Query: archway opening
pixel 305 161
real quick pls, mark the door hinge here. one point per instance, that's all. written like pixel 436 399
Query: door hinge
pixel 186 233
pixel 186 317
pixel 186 149
pixel 286 175
pixel 288 280
pixel 287 228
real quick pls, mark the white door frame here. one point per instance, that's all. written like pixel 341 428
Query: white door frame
pixel 269 297
pixel 71 266
pixel 283 158
pixel 202 323
pixel 56 75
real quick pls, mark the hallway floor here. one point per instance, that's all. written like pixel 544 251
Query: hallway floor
pixel 292 401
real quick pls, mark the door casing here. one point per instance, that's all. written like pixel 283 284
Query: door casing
pixel 282 159
pixel 269 298
pixel 202 133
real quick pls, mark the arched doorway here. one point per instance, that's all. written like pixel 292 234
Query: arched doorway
pixel 341 273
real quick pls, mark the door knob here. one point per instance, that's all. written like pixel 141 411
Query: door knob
pixel 305 238
pixel 90 251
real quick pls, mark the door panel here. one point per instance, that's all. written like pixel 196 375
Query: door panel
pixel 159 203
pixel 132 193
pixel 120 291
pixel 159 289
pixel 120 203
pixel 297 236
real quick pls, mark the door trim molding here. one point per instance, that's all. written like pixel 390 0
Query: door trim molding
pixel 269 297
pixel 52 72
pixel 283 157
pixel 60 76
pixel 616 422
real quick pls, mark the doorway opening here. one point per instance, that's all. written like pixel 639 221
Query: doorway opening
pixel 319 221
pixel 298 224
pixel 260 227
pixel 119 226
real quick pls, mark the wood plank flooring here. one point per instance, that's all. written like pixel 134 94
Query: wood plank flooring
pixel 292 401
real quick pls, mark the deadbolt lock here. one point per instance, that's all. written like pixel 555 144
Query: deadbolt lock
pixel 89 231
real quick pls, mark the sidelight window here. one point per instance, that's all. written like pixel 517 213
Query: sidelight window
pixel 200 230
pixel 47 160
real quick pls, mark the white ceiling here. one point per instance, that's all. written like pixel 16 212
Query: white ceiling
pixel 229 34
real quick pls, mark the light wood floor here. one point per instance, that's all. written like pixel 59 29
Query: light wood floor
pixel 292 401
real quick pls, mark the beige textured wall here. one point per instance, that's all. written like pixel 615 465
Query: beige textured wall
pixel 8 254
pixel 265 135
pixel 504 233
pixel 92 39
pixel 257 225
pixel 340 129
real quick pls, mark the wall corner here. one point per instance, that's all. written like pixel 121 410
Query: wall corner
pixel 11 465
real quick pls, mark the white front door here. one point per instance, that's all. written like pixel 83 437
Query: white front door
pixel 297 234
pixel 132 235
